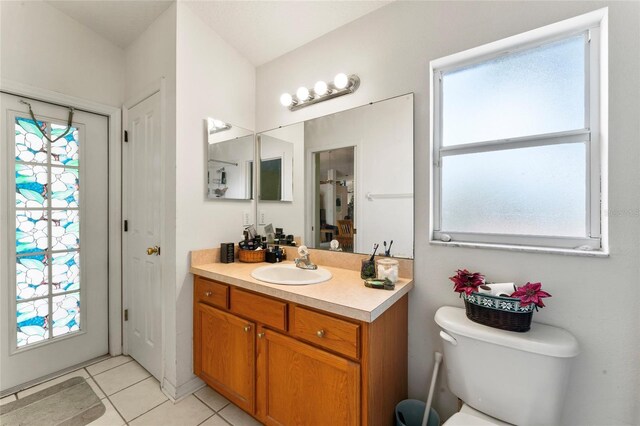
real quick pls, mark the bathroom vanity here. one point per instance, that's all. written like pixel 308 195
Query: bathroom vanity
pixel 333 353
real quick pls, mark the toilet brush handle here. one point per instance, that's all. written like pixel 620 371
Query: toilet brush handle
pixel 427 408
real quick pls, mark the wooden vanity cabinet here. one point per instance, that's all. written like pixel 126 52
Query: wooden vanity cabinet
pixel 299 384
pixel 288 364
pixel 226 355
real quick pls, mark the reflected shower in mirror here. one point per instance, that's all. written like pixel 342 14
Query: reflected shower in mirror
pixel 230 153
pixel 352 175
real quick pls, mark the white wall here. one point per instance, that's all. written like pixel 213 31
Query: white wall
pixel 594 299
pixel 44 48
pixel 213 80
pixel 148 59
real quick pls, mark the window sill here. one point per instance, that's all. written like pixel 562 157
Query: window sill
pixel 524 249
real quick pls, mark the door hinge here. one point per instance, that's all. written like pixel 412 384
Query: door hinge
pixel 126 136
pixel 126 315
pixel 126 225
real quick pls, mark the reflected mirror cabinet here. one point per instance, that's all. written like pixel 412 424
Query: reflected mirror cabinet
pixel 347 176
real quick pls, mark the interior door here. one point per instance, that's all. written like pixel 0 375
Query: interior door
pixel 142 182
pixel 54 251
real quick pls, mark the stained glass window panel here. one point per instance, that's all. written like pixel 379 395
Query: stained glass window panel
pixel 32 276
pixel 64 187
pixel 33 321
pixel 64 151
pixel 31 145
pixel 31 186
pixel 65 272
pixel 65 229
pixel 31 231
pixel 66 314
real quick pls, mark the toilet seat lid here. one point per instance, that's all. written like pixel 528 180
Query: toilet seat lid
pixel 465 419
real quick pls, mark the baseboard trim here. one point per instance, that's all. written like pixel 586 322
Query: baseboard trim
pixel 176 394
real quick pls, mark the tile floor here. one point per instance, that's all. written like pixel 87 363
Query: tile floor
pixel 133 397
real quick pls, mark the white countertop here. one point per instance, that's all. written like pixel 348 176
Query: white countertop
pixel 344 294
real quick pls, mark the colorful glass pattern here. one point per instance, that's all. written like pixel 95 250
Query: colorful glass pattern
pixel 65 187
pixel 65 272
pixel 33 321
pixel 31 231
pixel 47 231
pixel 31 145
pixel 31 186
pixel 32 276
pixel 65 229
pixel 65 314
pixel 64 151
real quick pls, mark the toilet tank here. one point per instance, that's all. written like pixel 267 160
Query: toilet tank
pixel 519 378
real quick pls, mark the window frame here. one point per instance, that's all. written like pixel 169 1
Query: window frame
pixel 594 26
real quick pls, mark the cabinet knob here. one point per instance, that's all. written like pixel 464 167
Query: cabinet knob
pixel 320 333
pixel 207 293
pixel 260 335
pixel 247 328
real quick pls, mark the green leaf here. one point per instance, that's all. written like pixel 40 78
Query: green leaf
pixel 33 264
pixel 63 259
pixel 30 127
pixel 32 195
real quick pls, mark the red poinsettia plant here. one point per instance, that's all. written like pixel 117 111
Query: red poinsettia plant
pixel 530 293
pixel 467 282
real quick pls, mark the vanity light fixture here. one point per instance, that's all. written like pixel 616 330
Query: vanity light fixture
pixel 322 91
pixel 216 126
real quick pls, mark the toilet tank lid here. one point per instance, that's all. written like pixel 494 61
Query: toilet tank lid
pixel 541 339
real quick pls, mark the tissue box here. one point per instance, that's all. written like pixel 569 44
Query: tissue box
pixel 504 313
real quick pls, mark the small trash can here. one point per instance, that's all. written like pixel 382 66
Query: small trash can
pixel 410 412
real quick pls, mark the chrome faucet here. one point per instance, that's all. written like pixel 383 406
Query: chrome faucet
pixel 303 262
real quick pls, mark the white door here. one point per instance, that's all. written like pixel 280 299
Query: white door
pixel 54 251
pixel 142 182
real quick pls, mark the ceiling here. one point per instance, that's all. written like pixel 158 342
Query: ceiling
pixel 260 30
pixel 120 22
pixel 263 30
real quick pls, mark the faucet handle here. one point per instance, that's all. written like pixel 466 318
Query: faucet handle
pixel 303 251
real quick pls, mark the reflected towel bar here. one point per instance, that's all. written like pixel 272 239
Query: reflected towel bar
pixel 371 196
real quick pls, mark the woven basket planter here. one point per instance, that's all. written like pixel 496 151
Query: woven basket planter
pixel 504 313
pixel 251 256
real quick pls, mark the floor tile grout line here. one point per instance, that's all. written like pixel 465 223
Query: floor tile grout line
pixel 207 405
pixel 109 369
pixel 212 415
pixel 108 399
pixel 150 409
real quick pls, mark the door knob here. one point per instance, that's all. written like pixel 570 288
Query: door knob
pixel 320 333
pixel 153 250
pixel 247 328
pixel 260 335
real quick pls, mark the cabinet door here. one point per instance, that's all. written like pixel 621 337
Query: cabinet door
pixel 227 354
pixel 299 384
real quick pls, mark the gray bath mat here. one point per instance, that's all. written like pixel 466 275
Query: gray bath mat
pixel 70 403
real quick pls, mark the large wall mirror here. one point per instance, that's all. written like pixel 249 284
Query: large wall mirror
pixel 230 156
pixel 346 176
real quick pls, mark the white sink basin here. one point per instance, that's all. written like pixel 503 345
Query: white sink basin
pixel 290 275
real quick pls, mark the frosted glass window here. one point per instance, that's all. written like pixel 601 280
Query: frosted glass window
pixel 534 91
pixel 47 217
pixel 529 191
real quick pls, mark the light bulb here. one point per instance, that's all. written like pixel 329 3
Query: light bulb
pixel 321 88
pixel 341 81
pixel 302 94
pixel 286 99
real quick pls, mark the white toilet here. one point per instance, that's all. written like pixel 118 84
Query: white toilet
pixel 505 377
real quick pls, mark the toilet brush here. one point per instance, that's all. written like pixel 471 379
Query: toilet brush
pixel 427 408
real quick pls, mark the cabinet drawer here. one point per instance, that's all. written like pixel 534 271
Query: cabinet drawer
pixel 211 292
pixel 259 308
pixel 327 331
